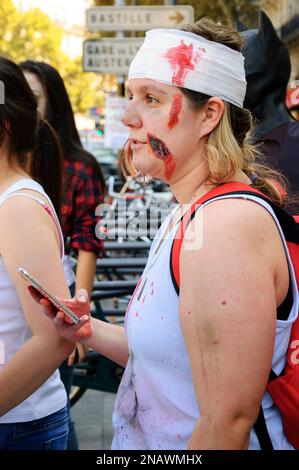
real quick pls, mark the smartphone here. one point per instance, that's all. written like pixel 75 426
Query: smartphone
pixel 47 294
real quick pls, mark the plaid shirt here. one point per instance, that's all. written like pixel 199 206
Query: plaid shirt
pixel 83 194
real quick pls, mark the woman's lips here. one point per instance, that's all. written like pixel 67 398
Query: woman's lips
pixel 136 144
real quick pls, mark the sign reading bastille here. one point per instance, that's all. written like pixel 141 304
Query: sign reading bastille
pixel 138 18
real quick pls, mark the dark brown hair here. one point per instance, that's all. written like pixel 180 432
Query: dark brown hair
pixel 60 115
pixel 31 141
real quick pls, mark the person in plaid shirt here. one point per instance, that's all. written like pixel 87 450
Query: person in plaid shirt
pixel 83 192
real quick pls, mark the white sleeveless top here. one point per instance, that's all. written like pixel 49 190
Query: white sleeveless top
pixel 14 331
pixel 156 406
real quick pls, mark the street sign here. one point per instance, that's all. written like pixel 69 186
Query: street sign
pixel 110 55
pixel 138 18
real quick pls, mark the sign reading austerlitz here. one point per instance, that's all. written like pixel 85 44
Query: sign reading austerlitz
pixel 110 55
pixel 133 18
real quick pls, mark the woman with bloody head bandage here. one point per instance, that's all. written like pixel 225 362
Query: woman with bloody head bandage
pixel 200 330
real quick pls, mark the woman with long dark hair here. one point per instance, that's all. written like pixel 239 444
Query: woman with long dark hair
pixel 33 412
pixel 83 188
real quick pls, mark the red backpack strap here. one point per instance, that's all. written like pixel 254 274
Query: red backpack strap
pixel 226 188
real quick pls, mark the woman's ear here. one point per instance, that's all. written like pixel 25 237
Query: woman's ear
pixel 212 113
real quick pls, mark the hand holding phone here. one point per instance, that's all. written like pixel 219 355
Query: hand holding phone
pixel 48 295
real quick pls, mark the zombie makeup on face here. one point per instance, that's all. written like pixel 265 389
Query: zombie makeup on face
pixel 160 151
pixel 158 147
pixel 176 108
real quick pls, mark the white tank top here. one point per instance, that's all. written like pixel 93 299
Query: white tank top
pixel 14 331
pixel 156 406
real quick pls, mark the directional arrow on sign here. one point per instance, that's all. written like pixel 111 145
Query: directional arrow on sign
pixel 177 17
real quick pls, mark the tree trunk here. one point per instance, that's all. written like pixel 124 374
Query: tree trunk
pixel 226 12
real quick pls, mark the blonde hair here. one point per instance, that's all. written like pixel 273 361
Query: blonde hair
pixel 229 151
pixel 229 147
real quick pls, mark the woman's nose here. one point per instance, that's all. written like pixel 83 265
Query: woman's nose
pixel 131 119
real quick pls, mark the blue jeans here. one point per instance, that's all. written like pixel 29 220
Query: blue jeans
pixel 66 374
pixel 48 433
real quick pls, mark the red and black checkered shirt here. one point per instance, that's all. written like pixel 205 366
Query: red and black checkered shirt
pixel 83 193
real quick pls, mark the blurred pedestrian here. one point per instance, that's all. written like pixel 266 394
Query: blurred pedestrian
pixel 33 401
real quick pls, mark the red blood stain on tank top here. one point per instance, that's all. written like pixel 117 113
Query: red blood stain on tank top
pixel 176 108
pixel 152 288
pixel 132 298
pixel 160 151
pixel 182 58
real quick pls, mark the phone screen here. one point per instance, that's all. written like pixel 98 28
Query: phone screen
pixel 48 295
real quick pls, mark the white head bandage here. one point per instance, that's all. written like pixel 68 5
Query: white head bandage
pixel 189 61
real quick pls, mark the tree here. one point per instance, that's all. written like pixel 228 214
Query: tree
pixel 33 35
pixel 228 11
pixel 30 34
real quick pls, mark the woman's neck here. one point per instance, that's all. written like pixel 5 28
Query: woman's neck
pixel 194 182
pixel 9 173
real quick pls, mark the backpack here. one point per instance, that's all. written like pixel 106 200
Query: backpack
pixel 284 389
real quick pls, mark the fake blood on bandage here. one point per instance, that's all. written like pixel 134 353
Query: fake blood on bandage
pixel 182 58
pixel 161 151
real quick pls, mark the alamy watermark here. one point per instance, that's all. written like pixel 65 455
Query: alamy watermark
pixel 130 221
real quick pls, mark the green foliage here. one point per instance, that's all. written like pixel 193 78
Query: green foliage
pixel 33 35
pixel 29 34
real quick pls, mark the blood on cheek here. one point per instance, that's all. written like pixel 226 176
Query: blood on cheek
pixel 160 150
pixel 175 110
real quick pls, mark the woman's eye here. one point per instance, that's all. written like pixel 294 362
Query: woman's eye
pixel 151 99
pixel 130 97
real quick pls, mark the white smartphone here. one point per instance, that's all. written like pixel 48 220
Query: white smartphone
pixel 47 294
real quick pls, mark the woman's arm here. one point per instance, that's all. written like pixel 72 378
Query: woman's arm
pixel 28 238
pixel 228 304
pixel 85 271
pixel 110 340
